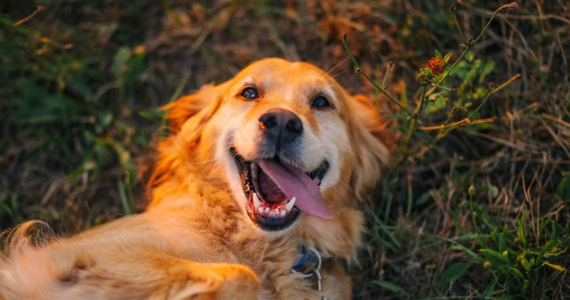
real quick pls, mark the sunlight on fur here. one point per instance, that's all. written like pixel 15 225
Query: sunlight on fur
pixel 255 169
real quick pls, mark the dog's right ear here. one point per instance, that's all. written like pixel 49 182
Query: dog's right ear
pixel 188 106
pixel 191 112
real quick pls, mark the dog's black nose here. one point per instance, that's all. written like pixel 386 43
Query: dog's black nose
pixel 281 126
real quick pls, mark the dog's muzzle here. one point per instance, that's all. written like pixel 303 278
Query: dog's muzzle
pixel 276 189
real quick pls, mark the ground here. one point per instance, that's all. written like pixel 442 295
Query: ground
pixel 479 210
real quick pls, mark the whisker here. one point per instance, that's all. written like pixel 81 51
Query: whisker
pixel 340 73
pixel 336 66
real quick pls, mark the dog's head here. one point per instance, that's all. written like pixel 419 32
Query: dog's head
pixel 285 136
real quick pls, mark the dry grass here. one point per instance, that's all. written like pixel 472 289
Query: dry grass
pixel 116 62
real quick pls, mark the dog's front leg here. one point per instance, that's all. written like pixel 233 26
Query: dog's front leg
pixel 120 273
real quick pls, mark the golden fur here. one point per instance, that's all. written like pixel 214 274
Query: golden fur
pixel 195 241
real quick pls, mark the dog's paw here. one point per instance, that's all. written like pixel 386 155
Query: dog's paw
pixel 218 282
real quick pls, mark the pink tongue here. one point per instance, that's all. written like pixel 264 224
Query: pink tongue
pixel 295 183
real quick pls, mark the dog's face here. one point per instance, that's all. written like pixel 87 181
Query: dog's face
pixel 286 137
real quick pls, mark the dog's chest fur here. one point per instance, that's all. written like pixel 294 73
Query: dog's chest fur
pixel 231 240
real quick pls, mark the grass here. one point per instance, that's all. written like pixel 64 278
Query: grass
pixel 475 208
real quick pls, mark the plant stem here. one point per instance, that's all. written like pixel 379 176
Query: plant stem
pixel 457 25
pixel 414 122
pixel 473 212
pixel 390 65
pixel 469 43
pixel 359 70
pixel 468 119
pixel 21 21
pixel 410 192
pixel 508 5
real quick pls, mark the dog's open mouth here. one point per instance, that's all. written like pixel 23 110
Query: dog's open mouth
pixel 278 192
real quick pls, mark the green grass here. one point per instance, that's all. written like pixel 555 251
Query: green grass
pixel 474 208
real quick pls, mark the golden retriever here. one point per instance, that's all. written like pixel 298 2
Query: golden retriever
pixel 261 175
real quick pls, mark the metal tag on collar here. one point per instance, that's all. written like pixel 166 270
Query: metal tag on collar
pixel 319 278
pixel 315 271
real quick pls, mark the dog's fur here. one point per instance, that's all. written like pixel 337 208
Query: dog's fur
pixel 196 240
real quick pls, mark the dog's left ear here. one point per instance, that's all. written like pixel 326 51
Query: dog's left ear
pixel 371 139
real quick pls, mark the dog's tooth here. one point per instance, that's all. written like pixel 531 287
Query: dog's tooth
pixel 277 212
pixel 290 204
pixel 256 201
pixel 283 212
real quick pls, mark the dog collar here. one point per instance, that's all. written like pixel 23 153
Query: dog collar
pixel 309 264
pixel 308 260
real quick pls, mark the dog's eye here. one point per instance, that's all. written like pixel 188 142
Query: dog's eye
pixel 250 93
pixel 320 103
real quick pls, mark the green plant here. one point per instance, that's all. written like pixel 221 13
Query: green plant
pixel 433 78
pixel 507 253
pixel 428 103
pixel 72 113
pixel 503 252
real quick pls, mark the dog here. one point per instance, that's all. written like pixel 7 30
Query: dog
pixel 254 196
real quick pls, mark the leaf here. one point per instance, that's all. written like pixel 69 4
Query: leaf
pixel 494 191
pixel 119 62
pixel 563 189
pixel 438 55
pixel 491 291
pixel 520 228
pixel 384 229
pixel 425 71
pixel 469 56
pixel 524 261
pixel 491 188
pixel 399 116
pixel 152 113
pixel 470 75
pixel 392 287
pixel 124 202
pixel 492 253
pixel 487 69
pixel 453 273
pixel 436 104
pixel 503 239
pixel 476 64
pixel 470 254
pixel 423 198
pixel 447 57
pixel 104 120
pixel 519 275
pixel 480 93
pixel 557 267
pixel 424 135
pixel 135 67
pixel 80 86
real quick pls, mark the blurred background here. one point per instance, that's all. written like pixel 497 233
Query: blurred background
pixel 473 212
